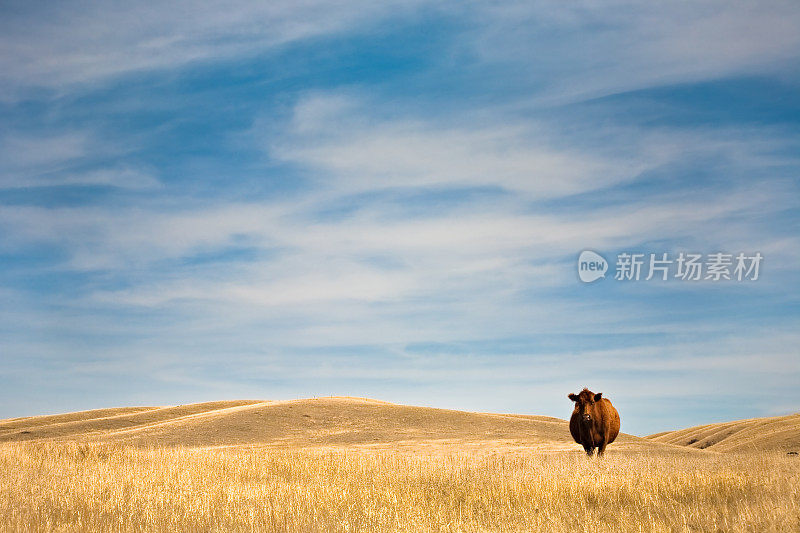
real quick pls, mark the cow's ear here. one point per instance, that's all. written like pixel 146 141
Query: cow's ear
pixel 573 397
pixel 598 396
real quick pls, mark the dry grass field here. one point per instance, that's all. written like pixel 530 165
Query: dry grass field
pixel 343 464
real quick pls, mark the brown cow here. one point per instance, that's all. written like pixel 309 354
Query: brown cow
pixel 594 423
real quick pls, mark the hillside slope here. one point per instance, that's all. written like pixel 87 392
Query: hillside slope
pixel 779 433
pixel 319 422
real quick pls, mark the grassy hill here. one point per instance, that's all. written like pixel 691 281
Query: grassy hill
pixel 365 423
pixel 778 433
pixel 319 422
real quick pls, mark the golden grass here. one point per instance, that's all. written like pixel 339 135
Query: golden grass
pixel 777 433
pixel 111 487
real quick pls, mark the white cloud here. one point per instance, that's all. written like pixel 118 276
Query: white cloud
pixel 53 159
pixel 22 153
pixel 430 271
pixel 57 46
pixel 122 178
pixel 590 49
pixel 351 144
pixel 334 135
pixel 581 49
pixel 384 253
pixel 454 258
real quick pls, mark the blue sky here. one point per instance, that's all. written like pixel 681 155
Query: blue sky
pixel 387 199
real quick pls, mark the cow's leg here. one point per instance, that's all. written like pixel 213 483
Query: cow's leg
pixel 601 449
pixel 589 450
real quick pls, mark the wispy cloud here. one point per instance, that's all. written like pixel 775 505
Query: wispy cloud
pixel 488 247
pixel 387 199
pixel 64 158
pixel 40 153
pixel 329 134
pixel 596 49
pixel 77 43
pixel 591 49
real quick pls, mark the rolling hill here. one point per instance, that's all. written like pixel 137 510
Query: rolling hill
pixel 308 423
pixel 365 423
pixel 778 433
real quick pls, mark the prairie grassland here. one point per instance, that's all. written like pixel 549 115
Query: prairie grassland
pixel 105 487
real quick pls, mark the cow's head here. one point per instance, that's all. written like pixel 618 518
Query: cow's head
pixel 584 401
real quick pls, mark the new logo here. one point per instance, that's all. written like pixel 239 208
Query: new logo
pixel 591 266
